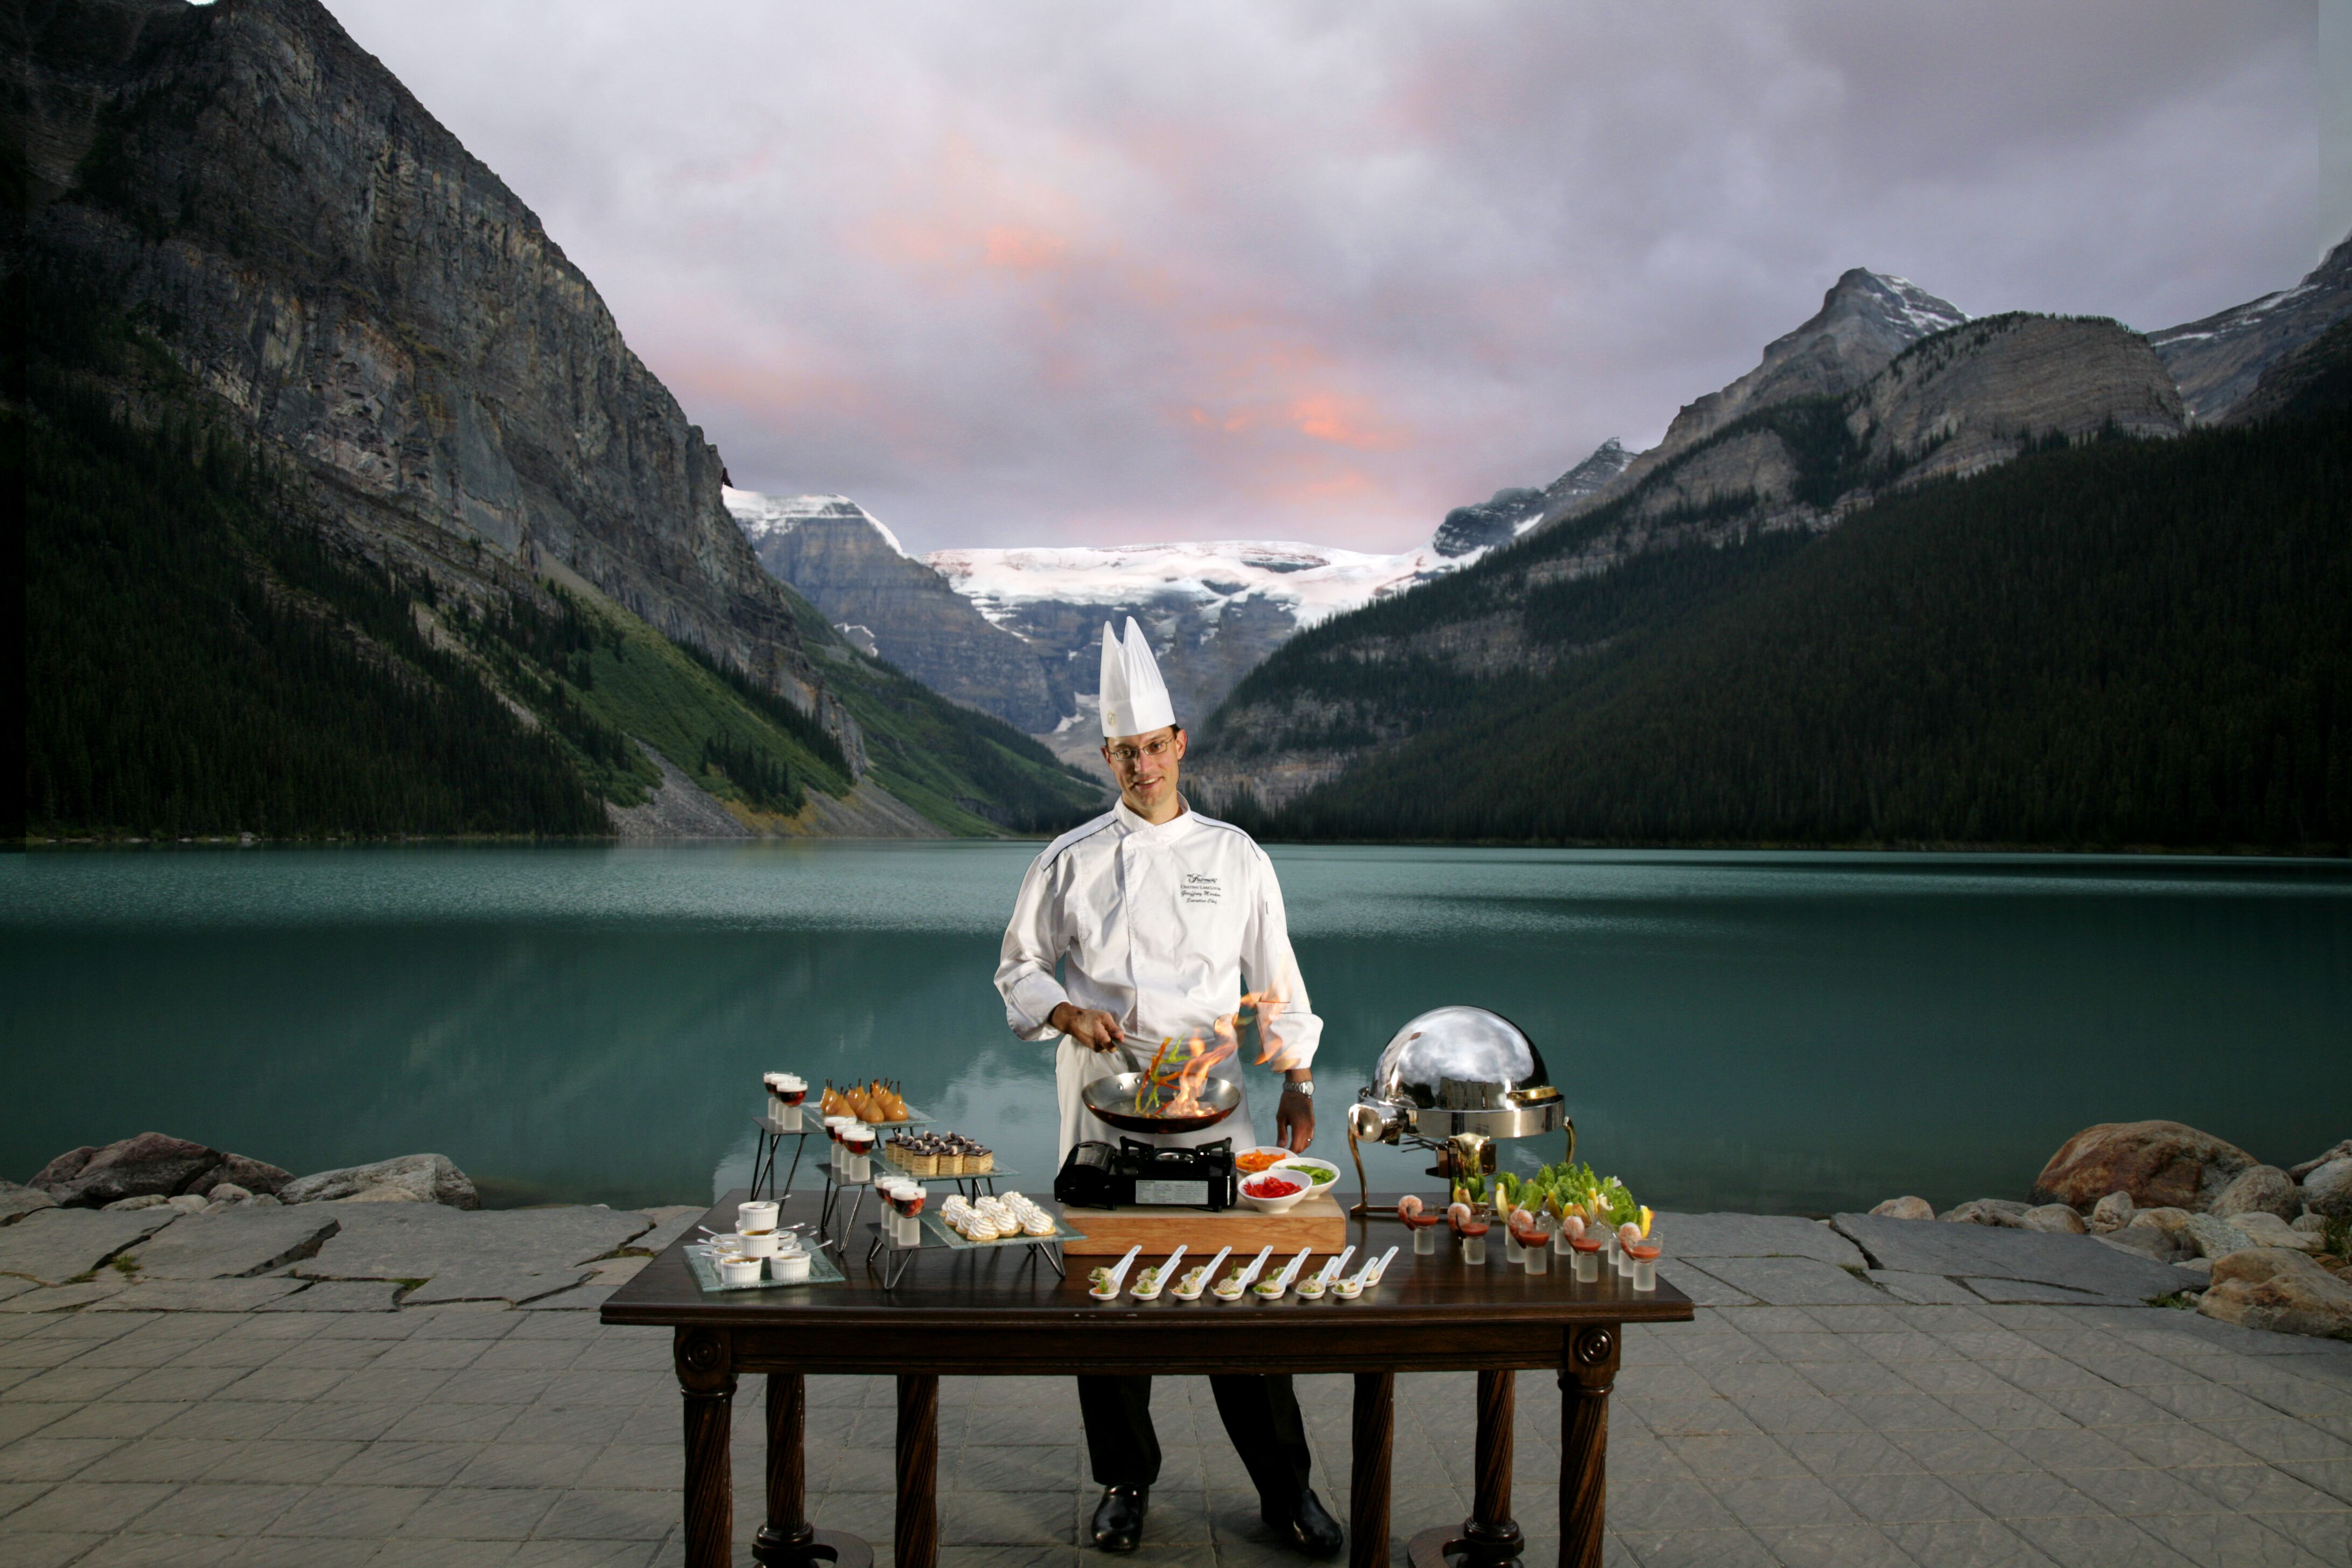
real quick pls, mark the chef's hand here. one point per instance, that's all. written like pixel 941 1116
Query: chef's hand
pixel 1090 1026
pixel 1294 1121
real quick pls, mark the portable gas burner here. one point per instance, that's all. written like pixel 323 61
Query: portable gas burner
pixel 1097 1176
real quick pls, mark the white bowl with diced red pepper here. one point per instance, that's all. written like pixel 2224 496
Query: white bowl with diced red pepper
pixel 1272 1192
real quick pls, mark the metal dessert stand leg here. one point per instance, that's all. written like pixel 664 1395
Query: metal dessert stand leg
pixel 1490 1537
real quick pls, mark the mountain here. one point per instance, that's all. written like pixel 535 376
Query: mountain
pixel 1212 610
pixel 299 378
pixel 1865 320
pixel 2117 644
pixel 1511 513
pixel 2219 360
pixel 1678 531
pixel 893 606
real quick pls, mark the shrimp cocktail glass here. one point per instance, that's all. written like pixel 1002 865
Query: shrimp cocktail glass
pixel 1532 1229
pixel 1471 1223
pixel 1421 1221
pixel 1642 1247
pixel 1584 1240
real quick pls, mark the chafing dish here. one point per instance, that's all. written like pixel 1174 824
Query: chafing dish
pixel 1452 1080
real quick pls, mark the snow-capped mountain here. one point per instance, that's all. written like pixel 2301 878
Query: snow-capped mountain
pixel 2218 361
pixel 1865 320
pixel 886 604
pixel 1213 610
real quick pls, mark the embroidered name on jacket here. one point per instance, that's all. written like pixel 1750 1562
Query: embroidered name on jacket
pixel 1201 890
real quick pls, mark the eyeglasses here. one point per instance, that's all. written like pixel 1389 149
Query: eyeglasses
pixel 1158 751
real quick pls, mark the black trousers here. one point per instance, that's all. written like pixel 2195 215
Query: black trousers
pixel 1261 1415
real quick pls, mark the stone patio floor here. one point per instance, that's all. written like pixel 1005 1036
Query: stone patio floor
pixel 1851 1434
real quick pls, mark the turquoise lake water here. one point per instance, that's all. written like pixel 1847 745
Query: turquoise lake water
pixel 1793 1033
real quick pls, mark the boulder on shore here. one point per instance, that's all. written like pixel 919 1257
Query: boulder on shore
pixel 2265 1189
pixel 2055 1218
pixel 2006 1212
pixel 2114 1212
pixel 16 1202
pixel 152 1164
pixel 2160 1164
pixel 2213 1238
pixel 2328 1190
pixel 1905 1208
pixel 253 1177
pixel 2341 1152
pixel 410 1178
pixel 2280 1290
pixel 2269 1230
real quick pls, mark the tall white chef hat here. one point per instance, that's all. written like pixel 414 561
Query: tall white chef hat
pixel 1134 698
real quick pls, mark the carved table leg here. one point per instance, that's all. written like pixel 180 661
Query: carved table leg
pixel 1586 1377
pixel 788 1540
pixel 706 1374
pixel 1490 1537
pixel 917 1544
pixel 1368 1479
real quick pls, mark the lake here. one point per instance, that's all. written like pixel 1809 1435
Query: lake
pixel 1781 1032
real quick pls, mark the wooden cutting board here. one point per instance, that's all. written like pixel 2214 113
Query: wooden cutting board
pixel 1317 1222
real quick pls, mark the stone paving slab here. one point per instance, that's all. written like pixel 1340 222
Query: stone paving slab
pixel 426 1241
pixel 1701 1287
pixel 55 1245
pixel 1792 1281
pixel 2035 1290
pixel 197 1295
pixel 342 1295
pixel 476 1284
pixel 1755 1235
pixel 2074 1262
pixel 1923 1289
pixel 235 1243
pixel 58 1298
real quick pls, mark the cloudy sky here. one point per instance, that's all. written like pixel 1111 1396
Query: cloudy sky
pixel 1023 273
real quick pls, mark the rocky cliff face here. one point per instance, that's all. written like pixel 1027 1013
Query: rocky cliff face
pixel 1865 320
pixel 320 255
pixel 894 606
pixel 1967 398
pixel 2217 361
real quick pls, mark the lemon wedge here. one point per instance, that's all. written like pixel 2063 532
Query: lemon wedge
pixel 1646 1219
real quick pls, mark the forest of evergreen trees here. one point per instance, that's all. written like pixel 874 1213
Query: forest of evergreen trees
pixel 191 666
pixel 2124 643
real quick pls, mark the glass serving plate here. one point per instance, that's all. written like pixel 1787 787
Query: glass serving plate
pixel 822 1271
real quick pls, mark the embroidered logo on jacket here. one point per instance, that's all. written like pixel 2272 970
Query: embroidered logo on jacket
pixel 1201 890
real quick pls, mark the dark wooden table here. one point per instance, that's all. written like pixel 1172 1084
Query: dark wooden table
pixel 997 1313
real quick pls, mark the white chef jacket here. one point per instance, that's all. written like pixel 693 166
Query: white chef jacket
pixel 1158 926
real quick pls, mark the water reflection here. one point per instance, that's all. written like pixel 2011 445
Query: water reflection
pixel 1791 1033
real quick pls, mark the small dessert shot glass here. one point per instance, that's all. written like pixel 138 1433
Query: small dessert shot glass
pixel 1644 1254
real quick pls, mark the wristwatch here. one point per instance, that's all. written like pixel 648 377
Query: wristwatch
pixel 1305 1086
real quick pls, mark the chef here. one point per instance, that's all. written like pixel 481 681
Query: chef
pixel 1161 919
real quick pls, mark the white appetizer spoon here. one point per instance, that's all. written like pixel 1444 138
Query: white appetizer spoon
pixel 1248 1274
pixel 1330 1270
pixel 1274 1288
pixel 1208 1277
pixel 1118 1275
pixel 1160 1276
pixel 1370 1273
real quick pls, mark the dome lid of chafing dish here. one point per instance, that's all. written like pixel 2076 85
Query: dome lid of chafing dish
pixel 1459 1058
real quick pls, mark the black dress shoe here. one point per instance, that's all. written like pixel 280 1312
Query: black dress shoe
pixel 1119 1518
pixel 1304 1526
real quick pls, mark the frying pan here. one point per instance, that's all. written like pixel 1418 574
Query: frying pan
pixel 1112 1099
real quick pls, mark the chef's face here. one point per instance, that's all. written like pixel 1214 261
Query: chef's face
pixel 1145 766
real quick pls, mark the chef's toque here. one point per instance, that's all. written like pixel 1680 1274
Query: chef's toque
pixel 1134 698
